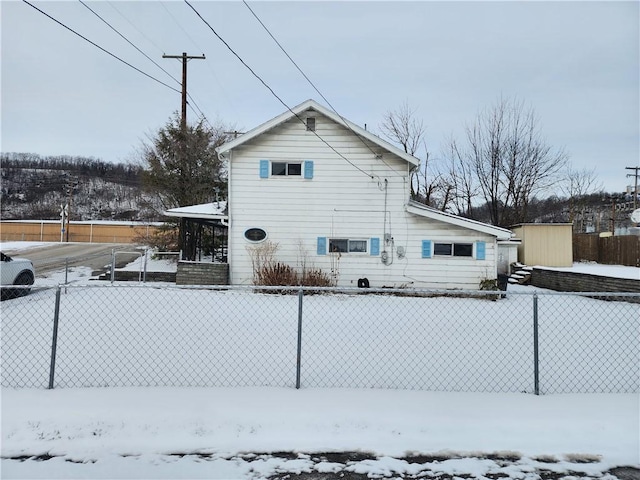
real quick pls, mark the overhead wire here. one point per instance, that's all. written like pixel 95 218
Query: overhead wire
pixel 273 92
pixel 199 111
pixel 128 41
pixel 344 120
pixel 101 48
pixel 175 20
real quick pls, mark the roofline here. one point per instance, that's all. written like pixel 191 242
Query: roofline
pixel 206 216
pixel 540 224
pixel 429 212
pixel 182 212
pixel 312 104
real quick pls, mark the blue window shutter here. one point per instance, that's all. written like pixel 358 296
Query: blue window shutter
pixel 375 246
pixel 480 250
pixel 308 169
pixel 264 168
pixel 322 245
pixel 426 249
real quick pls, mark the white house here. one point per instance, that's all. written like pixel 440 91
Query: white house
pixel 334 196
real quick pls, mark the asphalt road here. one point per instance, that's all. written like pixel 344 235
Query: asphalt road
pixel 53 258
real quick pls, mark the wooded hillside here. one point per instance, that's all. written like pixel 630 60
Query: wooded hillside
pixel 37 187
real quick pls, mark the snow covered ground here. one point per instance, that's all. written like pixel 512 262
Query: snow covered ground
pixel 231 432
pixel 262 432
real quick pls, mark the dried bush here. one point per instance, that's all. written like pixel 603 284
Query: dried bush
pixel 276 274
pixel 316 278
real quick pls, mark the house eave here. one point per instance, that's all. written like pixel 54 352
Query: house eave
pixel 428 212
pixel 206 211
pixel 313 105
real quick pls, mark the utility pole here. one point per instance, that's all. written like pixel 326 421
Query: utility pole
pixel 635 188
pixel 185 58
pixel 72 184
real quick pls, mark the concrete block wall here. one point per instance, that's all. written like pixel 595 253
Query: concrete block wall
pixel 581 282
pixel 196 273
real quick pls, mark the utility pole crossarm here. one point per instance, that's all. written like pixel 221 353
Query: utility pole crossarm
pixel 185 58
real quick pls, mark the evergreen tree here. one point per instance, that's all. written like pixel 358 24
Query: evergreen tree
pixel 182 167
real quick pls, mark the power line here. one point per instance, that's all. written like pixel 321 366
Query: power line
pixel 346 124
pixel 272 91
pixel 197 109
pixel 99 47
pixel 207 63
pixel 305 76
pixel 198 112
pixel 128 41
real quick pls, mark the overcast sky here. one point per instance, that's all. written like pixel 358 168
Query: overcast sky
pixel 575 63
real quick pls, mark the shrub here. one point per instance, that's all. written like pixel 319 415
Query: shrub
pixel 316 278
pixel 283 275
pixel 276 274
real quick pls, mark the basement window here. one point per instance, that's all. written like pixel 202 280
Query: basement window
pixel 286 169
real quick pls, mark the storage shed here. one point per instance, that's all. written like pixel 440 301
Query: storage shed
pixel 545 244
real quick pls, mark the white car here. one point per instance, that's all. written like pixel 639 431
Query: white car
pixel 15 271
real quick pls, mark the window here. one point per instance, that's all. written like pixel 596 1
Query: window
pixel 286 169
pixel 453 249
pixel 344 245
pixel 463 250
pixel 442 249
pixel 255 234
pixel 311 124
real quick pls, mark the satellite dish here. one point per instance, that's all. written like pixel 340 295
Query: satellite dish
pixel 635 216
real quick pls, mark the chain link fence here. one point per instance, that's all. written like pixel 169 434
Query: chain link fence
pixel 143 335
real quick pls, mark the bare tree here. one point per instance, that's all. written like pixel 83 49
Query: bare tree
pixel 510 160
pixel 577 185
pixel 462 182
pixel 401 126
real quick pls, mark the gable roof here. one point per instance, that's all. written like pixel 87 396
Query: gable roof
pixel 429 212
pixel 313 105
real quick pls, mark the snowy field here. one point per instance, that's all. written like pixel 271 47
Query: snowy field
pixel 241 432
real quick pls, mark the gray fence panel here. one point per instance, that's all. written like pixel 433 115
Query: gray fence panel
pixel 177 337
pixel 589 345
pixel 144 335
pixel 27 329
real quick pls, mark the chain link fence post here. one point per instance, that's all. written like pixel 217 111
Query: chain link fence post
pixel 299 350
pixel 54 340
pixel 113 265
pixel 536 378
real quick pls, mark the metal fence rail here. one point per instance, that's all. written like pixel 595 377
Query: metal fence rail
pixel 142 335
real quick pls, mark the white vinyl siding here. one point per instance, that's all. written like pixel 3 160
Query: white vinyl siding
pixel 341 202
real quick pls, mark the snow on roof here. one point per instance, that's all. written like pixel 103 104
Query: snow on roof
pixel 211 211
pixel 313 105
